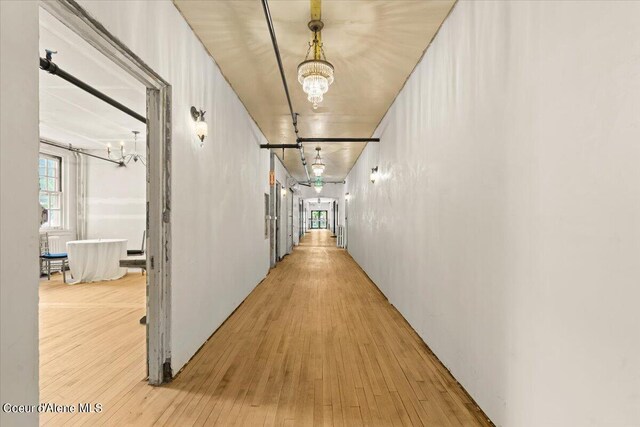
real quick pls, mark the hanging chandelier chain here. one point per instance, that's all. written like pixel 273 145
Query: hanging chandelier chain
pixel 308 51
pixel 312 44
pixel 322 51
pixel 315 74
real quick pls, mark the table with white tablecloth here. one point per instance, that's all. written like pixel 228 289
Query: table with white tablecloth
pixel 96 259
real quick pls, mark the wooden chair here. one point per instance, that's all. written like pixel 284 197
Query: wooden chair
pixel 46 258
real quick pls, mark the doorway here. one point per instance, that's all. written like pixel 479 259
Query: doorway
pixel 290 222
pixel 319 220
pixel 278 218
pixel 157 213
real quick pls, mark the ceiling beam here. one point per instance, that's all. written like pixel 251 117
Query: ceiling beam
pixel 303 140
pixel 49 66
pixel 280 146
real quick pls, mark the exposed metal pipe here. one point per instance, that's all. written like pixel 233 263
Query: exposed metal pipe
pixel 79 151
pixel 52 68
pixel 280 146
pixel 303 140
pixel 274 41
pixel 294 116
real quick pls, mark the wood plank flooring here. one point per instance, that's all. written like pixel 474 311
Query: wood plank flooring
pixel 92 346
pixel 315 343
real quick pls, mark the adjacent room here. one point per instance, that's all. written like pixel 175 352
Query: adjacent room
pixel 92 196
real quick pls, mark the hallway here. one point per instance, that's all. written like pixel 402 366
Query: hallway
pixel 314 344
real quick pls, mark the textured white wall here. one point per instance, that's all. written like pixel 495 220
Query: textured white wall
pixel 19 212
pixel 116 201
pixel 296 219
pixel 505 225
pixel 218 246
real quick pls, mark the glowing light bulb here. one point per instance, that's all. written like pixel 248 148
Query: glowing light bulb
pixel 202 130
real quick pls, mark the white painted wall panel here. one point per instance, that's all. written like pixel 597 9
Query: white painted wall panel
pixel 116 201
pixel 218 247
pixel 19 212
pixel 505 225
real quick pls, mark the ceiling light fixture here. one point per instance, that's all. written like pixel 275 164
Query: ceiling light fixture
pixel 201 126
pixel 318 165
pixel 124 159
pixel 316 74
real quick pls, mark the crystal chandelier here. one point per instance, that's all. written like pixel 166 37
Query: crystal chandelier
pixel 316 74
pixel 124 159
pixel 318 185
pixel 317 165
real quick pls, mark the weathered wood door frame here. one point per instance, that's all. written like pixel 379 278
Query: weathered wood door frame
pixel 158 233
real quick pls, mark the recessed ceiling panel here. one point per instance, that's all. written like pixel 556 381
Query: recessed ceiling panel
pixel 373 44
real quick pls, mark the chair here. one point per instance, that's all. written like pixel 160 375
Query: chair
pixel 47 258
pixel 133 252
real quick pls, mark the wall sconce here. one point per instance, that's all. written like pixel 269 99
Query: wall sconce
pixel 283 192
pixel 347 197
pixel 201 126
pixel 374 174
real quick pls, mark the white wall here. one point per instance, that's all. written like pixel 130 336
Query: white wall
pixel 19 212
pixel 505 225
pixel 218 246
pixel 116 200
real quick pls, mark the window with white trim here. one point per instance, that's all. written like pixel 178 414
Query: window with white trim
pixel 50 174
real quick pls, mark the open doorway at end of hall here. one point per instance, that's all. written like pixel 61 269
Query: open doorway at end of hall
pixel 319 220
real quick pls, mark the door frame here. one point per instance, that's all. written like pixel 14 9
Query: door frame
pixel 278 207
pixel 158 217
pixel 290 194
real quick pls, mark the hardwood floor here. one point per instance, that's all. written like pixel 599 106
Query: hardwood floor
pixel 92 346
pixel 315 343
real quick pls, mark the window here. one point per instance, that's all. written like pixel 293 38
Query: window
pixel 50 173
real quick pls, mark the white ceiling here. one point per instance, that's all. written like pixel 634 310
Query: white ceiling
pixel 373 44
pixel 70 115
